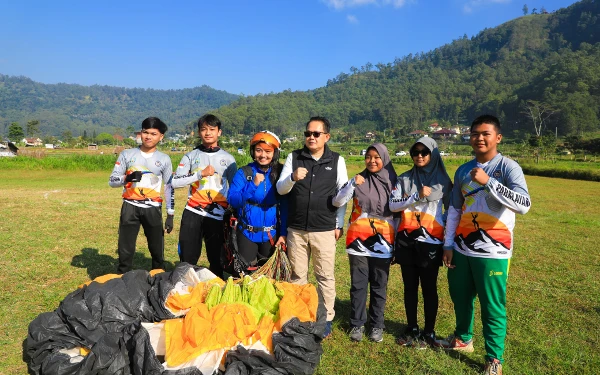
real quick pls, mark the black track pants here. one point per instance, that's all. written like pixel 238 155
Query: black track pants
pixel 365 271
pixel 411 275
pixel 150 218
pixel 195 228
pixel 252 252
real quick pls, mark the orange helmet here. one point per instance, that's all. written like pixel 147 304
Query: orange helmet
pixel 267 137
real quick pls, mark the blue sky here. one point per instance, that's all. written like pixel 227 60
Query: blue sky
pixel 239 46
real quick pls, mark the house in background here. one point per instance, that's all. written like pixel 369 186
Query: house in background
pixel 118 138
pixel 418 134
pixel 370 136
pixel 434 127
pixel 92 146
pixel 32 142
pixel 457 129
pixel 444 134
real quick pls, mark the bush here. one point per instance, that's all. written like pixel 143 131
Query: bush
pixel 65 162
pixel 572 174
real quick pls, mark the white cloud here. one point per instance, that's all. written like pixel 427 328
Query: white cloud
pixel 352 19
pixel 471 5
pixel 341 4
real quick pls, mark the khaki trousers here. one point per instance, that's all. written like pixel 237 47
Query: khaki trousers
pixel 321 245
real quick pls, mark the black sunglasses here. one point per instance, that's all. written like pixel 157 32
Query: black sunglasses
pixel 314 134
pixel 424 152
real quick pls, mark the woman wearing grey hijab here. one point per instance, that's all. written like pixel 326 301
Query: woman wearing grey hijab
pixel 420 194
pixel 370 240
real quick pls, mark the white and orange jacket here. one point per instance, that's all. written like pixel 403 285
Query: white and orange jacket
pixel 368 235
pixel 156 169
pixel 481 219
pixel 207 196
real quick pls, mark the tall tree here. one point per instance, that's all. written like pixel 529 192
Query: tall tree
pixel 33 128
pixel 67 136
pixel 15 132
pixel 525 9
pixel 538 113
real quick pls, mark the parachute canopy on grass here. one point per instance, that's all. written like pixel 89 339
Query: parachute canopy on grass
pixel 130 324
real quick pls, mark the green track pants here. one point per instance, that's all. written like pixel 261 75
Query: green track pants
pixel 485 278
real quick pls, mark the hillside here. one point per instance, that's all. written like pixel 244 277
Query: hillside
pixel 61 107
pixel 550 58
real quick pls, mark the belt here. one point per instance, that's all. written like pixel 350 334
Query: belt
pixel 261 205
pixel 254 229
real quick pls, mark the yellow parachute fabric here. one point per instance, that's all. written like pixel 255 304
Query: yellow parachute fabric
pixel 177 302
pixel 231 323
pixel 156 271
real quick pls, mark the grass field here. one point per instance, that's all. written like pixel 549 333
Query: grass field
pixel 59 229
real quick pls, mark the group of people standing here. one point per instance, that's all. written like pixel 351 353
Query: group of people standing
pixel 419 219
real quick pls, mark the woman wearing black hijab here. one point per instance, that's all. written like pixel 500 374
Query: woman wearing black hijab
pixel 420 194
pixel 370 240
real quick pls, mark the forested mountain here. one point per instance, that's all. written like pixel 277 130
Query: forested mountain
pixel 551 61
pixel 67 107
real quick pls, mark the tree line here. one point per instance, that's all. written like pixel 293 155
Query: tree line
pixel 75 108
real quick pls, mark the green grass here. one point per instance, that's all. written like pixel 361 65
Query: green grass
pixel 59 229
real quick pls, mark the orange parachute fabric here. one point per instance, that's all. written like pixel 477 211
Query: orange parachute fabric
pixel 224 326
pixel 300 301
pixel 101 279
pixel 109 276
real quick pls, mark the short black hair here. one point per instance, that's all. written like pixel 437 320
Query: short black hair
pixel 326 124
pixel 154 123
pixel 210 120
pixel 487 119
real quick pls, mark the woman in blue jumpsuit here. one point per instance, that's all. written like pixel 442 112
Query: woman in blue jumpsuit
pixel 261 212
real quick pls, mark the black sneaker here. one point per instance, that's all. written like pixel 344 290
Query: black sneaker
pixel 408 337
pixel 376 335
pixel 430 340
pixel 356 333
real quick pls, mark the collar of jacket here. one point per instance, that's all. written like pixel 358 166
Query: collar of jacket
pixel 326 157
pixel 203 148
pixel 257 168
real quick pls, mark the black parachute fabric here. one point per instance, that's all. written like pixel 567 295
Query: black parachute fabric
pixel 105 319
pixel 297 350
